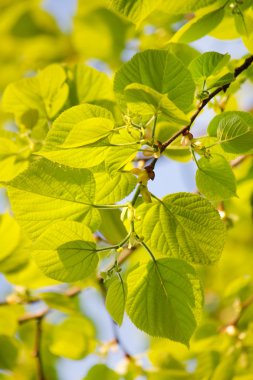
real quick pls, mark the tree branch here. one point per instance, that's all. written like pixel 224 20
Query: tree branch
pixel 37 348
pixel 119 342
pixel 248 302
pixel 237 161
pixel 183 131
pixel 32 316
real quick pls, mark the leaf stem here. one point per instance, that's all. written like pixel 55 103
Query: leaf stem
pixel 115 246
pixel 109 206
pixel 37 348
pixel 194 158
pixel 136 194
pixel 147 248
pixel 154 128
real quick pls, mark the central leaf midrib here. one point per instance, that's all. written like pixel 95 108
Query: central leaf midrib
pixel 51 196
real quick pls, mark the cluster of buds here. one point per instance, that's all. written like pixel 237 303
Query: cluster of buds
pixel 18 296
pixel 187 138
pixel 235 7
pixel 200 148
pixel 203 95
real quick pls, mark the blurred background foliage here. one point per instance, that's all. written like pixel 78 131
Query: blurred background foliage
pixel 77 333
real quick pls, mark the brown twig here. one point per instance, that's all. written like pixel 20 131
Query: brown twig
pixel 33 316
pixel 71 292
pixel 37 348
pixel 119 342
pixel 237 161
pixel 236 320
pixel 248 61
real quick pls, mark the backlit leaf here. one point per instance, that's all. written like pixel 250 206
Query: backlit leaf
pixel 79 157
pixel 161 71
pixel 144 100
pixel 207 64
pixel 66 252
pixel 215 178
pixel 234 130
pixel 63 343
pixel 199 26
pixel 182 225
pixel 88 131
pixel 116 298
pixel 46 193
pixel 165 299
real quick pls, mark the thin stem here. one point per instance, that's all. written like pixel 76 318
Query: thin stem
pixel 136 194
pixel 118 128
pixel 154 196
pixel 237 161
pixel 135 125
pixel 149 121
pixel 194 158
pixel 37 349
pixel 214 144
pixel 115 246
pixel 154 128
pixel 118 340
pixel 147 248
pixel 236 321
pixel 30 317
pixel 204 84
pixel 109 206
pixel 127 144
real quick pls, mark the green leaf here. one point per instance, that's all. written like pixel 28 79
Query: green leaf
pixel 234 130
pixel 111 189
pixel 199 26
pixel 123 149
pixel 112 226
pixel 178 152
pixel 175 151
pixel 90 86
pixel 165 299
pixel 88 131
pixel 183 6
pixel 144 100
pixel 8 321
pixel 61 302
pixel 99 32
pixel 8 352
pixel 80 157
pixel 182 225
pixel 53 89
pixel 135 10
pixel 101 371
pixel 73 338
pixel 206 65
pixel 18 256
pixel 161 71
pixel 183 52
pixel 225 370
pixel 47 193
pixel 244 24
pixel 47 93
pixel 225 79
pixel 10 236
pixel 66 252
pixel 11 160
pixel 116 298
pixel 215 178
pixel 214 147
